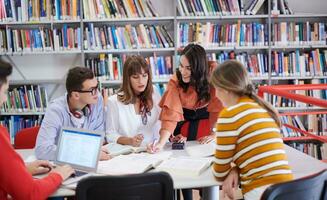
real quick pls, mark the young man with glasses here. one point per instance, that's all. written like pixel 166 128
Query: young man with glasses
pixel 81 107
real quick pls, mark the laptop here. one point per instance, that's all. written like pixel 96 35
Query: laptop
pixel 79 148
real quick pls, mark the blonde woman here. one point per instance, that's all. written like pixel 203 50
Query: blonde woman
pixel 249 144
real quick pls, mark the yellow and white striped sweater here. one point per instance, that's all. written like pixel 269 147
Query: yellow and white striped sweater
pixel 250 138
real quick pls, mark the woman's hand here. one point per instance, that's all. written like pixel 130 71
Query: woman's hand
pixel 38 167
pixel 155 147
pixel 104 153
pixel 230 184
pixel 178 138
pixel 207 139
pixel 137 140
pixel 64 171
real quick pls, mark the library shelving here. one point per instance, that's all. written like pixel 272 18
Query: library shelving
pixel 306 129
pixel 73 27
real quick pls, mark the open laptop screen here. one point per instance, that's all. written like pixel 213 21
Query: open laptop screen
pixel 79 148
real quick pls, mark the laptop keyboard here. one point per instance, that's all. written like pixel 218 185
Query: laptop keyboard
pixel 78 173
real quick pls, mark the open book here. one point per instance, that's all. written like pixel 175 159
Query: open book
pixel 185 166
pixel 132 163
pixel 201 150
pixel 118 149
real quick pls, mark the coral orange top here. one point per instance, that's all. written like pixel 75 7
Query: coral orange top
pixel 175 99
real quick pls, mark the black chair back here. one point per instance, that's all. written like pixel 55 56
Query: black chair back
pixel 313 187
pixel 146 186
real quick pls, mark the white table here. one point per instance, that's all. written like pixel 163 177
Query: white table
pixel 301 164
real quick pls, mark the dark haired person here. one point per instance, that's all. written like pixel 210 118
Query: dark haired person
pixel 133 114
pixel 189 105
pixel 81 107
pixel 16 180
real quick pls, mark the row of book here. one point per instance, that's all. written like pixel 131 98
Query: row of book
pixel 215 35
pixel 126 37
pixel 218 7
pixel 102 9
pixel 40 39
pixel 284 64
pixel 46 10
pixel 315 124
pixel 316 150
pixel 39 10
pixel 298 33
pixel 27 98
pixel 295 63
pixel 16 123
pixel 109 67
pixel 279 102
pixel 256 63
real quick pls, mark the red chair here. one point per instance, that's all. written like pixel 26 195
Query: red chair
pixel 26 138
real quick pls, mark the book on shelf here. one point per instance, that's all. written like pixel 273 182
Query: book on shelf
pixel 116 149
pixel 118 9
pixel 39 10
pixel 16 123
pixel 109 67
pixel 298 33
pixel 185 166
pixel 297 63
pixel 42 39
pixel 219 7
pixel 279 102
pixel 223 35
pixel 255 63
pixel 103 37
pixel 132 163
pixel 27 98
pixel 316 150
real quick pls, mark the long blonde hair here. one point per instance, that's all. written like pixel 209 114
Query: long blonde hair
pixel 232 76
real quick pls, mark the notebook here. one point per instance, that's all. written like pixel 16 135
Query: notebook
pixel 201 150
pixel 116 149
pixel 132 163
pixel 185 166
pixel 80 148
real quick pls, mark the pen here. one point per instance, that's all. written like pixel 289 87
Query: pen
pixel 153 144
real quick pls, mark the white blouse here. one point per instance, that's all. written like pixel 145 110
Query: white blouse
pixel 122 120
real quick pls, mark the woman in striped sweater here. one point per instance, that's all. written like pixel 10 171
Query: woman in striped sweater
pixel 249 144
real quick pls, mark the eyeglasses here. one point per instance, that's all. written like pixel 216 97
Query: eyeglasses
pixel 93 91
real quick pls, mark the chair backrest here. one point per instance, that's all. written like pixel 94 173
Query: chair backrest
pixel 26 138
pixel 313 187
pixel 146 186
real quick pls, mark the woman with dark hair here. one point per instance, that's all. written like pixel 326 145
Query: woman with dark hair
pixel 189 105
pixel 133 113
pixel 16 180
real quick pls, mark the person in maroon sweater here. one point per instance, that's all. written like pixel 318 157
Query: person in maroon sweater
pixel 16 181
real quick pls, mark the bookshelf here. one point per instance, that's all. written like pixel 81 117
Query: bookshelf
pixel 50 66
